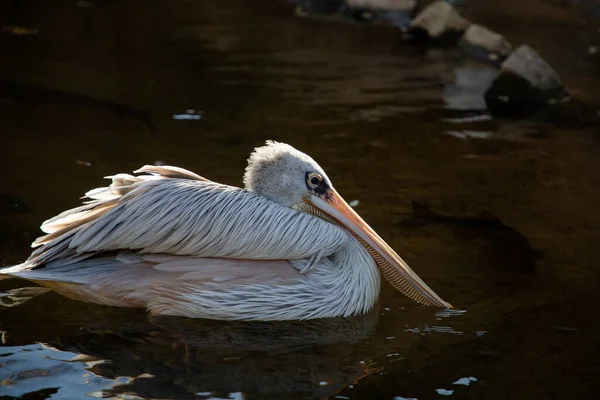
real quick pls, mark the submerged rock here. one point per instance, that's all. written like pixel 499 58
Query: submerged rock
pixel 439 22
pixel 485 44
pixel 525 84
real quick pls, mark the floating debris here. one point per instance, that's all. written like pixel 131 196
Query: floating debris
pixel 444 392
pixel 451 312
pixel 190 114
pixel 84 163
pixel 354 203
pixel 428 330
pixel 465 381
pixel 469 134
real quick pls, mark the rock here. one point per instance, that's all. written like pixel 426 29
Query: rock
pixel 526 62
pixel 525 84
pixel 439 22
pixel 482 43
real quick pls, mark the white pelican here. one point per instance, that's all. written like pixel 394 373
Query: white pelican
pixel 286 247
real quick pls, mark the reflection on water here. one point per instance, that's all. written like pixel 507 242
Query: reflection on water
pixel 42 369
pixel 110 86
pixel 470 84
pixel 182 357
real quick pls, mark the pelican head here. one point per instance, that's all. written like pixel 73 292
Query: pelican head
pixel 287 176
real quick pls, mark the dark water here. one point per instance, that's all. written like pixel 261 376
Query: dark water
pixel 93 90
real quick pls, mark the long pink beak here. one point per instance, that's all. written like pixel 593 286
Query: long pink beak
pixel 394 269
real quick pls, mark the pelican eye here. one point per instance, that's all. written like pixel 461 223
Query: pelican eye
pixel 313 180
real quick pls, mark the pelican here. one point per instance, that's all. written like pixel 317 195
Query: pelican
pixel 286 247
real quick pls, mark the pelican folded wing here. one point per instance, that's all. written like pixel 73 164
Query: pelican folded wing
pixel 187 217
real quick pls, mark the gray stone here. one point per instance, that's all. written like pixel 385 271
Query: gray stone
pixel 482 41
pixel 527 63
pixel 524 84
pixel 439 18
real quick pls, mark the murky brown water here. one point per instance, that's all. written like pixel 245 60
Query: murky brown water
pixel 390 123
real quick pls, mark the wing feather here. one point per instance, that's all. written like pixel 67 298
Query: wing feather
pixel 127 279
pixel 177 212
pixel 170 172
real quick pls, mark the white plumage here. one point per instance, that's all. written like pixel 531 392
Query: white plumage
pixel 287 247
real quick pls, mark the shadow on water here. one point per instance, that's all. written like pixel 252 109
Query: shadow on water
pixel 506 244
pixel 390 122
pixel 30 93
pixel 182 358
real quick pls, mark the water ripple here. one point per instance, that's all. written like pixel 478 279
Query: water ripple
pixel 40 367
